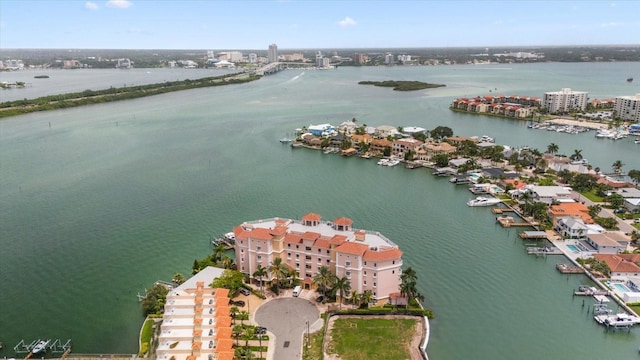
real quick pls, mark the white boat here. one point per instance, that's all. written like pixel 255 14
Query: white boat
pixel 617 320
pixel 40 346
pixel 483 201
pixel 383 161
pixel 392 162
pixel 637 141
pixel 286 140
pixel 486 139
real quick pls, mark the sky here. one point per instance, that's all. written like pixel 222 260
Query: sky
pixel 299 24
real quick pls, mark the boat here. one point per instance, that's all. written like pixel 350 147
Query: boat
pixel 41 346
pixel 630 79
pixel 483 201
pixel 617 320
pixel 286 140
pixel 383 162
pixel 636 141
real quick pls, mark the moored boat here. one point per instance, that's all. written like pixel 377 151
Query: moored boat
pixel 483 201
pixel 41 346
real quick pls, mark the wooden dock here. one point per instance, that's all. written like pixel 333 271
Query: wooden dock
pixel 509 221
pixel 544 251
pixel 567 269
pixel 533 235
pixel 499 210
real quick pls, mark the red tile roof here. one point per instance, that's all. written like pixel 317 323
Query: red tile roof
pixel 338 239
pixel 310 235
pixel 352 248
pixel 278 230
pixel 292 238
pixel 261 234
pixel 322 243
pixel 383 255
pixel 617 264
pixel 311 217
pixel 343 221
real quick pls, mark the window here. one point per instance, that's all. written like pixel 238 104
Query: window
pixel 319 260
pixel 328 261
pixel 348 273
pixel 259 257
pixel 365 273
pixel 308 275
pixel 365 282
pixel 308 248
pixel 308 257
pixel 365 263
pixel 308 266
pixel 319 251
pixel 375 274
pixel 374 284
pixel 347 263
pixel 375 265
pixel 289 245
pixel 394 262
pixel 258 248
pixel 297 256
pixel 393 271
pixel 297 265
pixel 289 254
pixel 297 246
pixel 328 252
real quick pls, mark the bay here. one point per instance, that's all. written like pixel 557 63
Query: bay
pixel 109 198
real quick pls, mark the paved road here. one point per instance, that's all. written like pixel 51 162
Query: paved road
pixel 286 319
pixel 622 225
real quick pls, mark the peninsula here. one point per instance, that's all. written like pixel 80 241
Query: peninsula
pixel 402 85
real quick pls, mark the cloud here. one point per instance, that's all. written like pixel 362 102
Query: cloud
pixel 611 24
pixel 347 22
pixel 119 4
pixel 91 6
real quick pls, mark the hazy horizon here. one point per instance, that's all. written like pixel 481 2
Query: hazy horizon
pixel 253 25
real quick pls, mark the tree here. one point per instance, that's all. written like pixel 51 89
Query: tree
pixel 616 200
pixel 355 298
pixel 441 160
pixel 577 155
pixel 259 274
pixel 218 252
pixel 234 313
pixel 230 279
pixel 552 148
pixel 154 300
pixel 278 270
pixel 237 332
pixel 617 167
pixel 178 279
pixel 441 132
pixel 343 285
pixel 323 279
pixel 367 297
pixel 635 176
pixel 594 210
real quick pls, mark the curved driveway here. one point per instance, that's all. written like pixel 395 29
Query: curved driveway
pixel 286 319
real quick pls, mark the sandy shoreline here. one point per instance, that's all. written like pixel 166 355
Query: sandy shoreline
pixel 586 124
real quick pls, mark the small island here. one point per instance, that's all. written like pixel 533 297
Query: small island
pixel 402 85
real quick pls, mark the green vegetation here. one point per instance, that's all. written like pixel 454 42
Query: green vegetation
pixel 230 279
pixel 145 336
pixel 402 85
pixel 371 338
pixel 87 97
pixel 154 301
pixel 313 350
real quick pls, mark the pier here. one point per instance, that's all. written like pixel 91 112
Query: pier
pixel 499 210
pixel 568 269
pixel 509 221
pixel 533 235
pixel 56 346
pixel 586 290
pixel 544 251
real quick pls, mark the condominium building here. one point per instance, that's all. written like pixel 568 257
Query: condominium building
pixel 564 100
pixel 196 324
pixel 272 54
pixel 368 259
pixel 628 107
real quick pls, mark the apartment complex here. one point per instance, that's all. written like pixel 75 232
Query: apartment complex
pixel 628 107
pixel 564 100
pixel 196 324
pixel 368 259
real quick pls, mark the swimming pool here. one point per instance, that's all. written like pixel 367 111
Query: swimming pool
pixel 620 287
pixel 573 248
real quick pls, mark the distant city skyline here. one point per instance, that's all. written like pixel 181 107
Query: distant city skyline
pixel 254 25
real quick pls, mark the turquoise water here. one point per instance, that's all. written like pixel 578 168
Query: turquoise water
pixel 621 287
pixel 573 248
pixel 110 198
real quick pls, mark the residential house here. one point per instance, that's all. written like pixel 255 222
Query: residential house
pixel 621 265
pixel 574 210
pixel 401 147
pixel 379 145
pixel 608 242
pixel 385 131
pixel 575 228
pixel 549 194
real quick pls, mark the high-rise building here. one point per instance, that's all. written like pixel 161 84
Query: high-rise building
pixel 628 107
pixel 272 54
pixel 564 100
pixel 388 59
pixel 253 58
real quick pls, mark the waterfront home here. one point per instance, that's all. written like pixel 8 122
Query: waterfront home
pixel 367 258
pixel 457 162
pixel 322 130
pixel 384 131
pixel 378 146
pixel 515 183
pixel 401 147
pixel 633 204
pixel 431 149
pixel 347 127
pixel 574 210
pixel 574 228
pixel 196 323
pixel 608 242
pixel 628 192
pixel 621 265
pixel 357 140
pixel 548 194
pixel 457 140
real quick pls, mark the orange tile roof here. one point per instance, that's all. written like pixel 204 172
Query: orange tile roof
pixel 281 222
pixel 350 247
pixel 292 238
pixel 223 310
pixel 226 355
pixel 224 333
pixel 516 183
pixel 361 138
pixel 310 235
pixel 260 234
pixel 338 239
pixel 381 142
pixel 383 255
pixel 618 264
pixel 197 332
pixel 572 209
pixel 196 345
pixel 224 345
pixel 635 258
pixel 278 230
pixel 221 293
pixel 223 321
pixel 311 217
pixel 322 243
pixel 344 221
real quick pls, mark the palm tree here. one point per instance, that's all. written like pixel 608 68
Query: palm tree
pixel 323 279
pixel 278 270
pixel 226 262
pixel 577 155
pixel 293 277
pixel 249 332
pixel 237 332
pixel 409 275
pixel 355 298
pixel 617 167
pixel 367 297
pixel 243 314
pixel 552 148
pixel 178 278
pixel 234 313
pixel 594 210
pixel 343 285
pixel 218 252
pixel 260 273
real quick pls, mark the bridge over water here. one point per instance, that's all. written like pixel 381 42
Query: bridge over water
pixel 274 67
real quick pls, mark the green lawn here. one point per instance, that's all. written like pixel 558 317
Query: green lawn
pixel 372 339
pixel 592 196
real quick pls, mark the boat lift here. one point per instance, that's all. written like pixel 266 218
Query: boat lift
pixel 55 346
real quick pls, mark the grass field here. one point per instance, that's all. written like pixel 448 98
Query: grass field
pixel 372 339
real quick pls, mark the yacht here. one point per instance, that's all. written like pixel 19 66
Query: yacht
pixel 483 201
pixel 286 140
pixel 41 346
pixel 617 320
pixel 637 141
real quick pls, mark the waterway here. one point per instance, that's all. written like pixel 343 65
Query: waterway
pixel 98 202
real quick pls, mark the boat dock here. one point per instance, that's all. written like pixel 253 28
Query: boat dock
pixel 55 346
pixel 533 235
pixel 509 221
pixel 586 290
pixel 568 269
pixel 499 210
pixel 544 251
